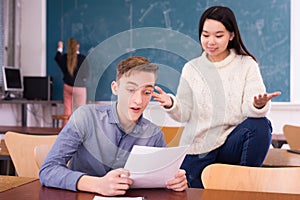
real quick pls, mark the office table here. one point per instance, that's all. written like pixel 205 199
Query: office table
pixel 281 158
pixel 24 104
pixel 34 191
pixel 30 130
pixel 9 182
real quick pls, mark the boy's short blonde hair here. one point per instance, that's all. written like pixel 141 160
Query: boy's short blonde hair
pixel 135 63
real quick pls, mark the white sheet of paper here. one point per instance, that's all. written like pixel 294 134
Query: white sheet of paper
pixel 152 167
pixel 117 198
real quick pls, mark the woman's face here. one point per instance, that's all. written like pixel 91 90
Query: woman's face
pixel 214 40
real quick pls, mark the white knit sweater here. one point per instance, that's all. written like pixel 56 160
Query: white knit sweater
pixel 214 97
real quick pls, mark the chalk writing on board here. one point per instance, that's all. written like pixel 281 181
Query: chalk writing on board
pixel 264 25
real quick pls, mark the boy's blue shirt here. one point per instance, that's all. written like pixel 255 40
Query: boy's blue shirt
pixel 94 142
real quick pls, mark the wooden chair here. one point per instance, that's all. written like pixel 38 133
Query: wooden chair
pixel 292 135
pixel 258 179
pixel 21 149
pixel 172 135
pixel 40 152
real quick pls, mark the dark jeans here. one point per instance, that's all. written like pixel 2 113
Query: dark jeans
pixel 246 145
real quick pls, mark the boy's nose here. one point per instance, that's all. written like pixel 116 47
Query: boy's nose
pixel 137 97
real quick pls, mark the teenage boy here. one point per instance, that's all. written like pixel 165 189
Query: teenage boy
pixel 91 150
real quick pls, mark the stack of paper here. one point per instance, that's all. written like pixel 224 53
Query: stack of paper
pixel 152 167
pixel 118 198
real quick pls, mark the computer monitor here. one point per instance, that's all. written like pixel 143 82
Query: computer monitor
pixel 12 80
pixel 37 87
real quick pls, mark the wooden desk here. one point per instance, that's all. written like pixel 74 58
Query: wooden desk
pixel 34 191
pixel 9 182
pixel 278 140
pixel 30 130
pixel 281 158
pixel 24 104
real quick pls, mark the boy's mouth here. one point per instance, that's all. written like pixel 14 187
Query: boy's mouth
pixel 135 109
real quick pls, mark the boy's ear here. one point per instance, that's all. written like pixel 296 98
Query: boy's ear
pixel 114 87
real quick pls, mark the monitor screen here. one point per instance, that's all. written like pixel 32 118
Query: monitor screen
pixel 12 79
pixel 37 87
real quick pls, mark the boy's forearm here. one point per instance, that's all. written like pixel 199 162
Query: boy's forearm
pixel 89 184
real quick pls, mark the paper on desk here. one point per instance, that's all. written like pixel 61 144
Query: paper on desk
pixel 152 167
pixel 117 198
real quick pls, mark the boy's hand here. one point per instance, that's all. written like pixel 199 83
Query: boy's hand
pixel 115 182
pixel 179 183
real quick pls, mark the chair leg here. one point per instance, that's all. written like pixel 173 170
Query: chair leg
pixel 53 123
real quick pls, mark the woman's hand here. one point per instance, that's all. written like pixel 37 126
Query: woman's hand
pixel 262 99
pixel 179 183
pixel 60 44
pixel 163 98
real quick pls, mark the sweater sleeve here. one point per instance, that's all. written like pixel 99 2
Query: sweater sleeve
pixel 253 87
pixel 183 102
pixel 61 61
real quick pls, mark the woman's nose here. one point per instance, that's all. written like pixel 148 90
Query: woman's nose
pixel 211 40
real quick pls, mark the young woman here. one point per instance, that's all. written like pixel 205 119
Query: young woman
pixel 74 90
pixel 222 99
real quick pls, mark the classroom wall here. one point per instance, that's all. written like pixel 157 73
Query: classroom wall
pixel 33 59
pixel 31 45
pixel 33 37
pixel 264 25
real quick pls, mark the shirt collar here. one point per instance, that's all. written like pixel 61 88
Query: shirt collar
pixel 114 119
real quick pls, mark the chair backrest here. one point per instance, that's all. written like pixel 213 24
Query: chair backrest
pixel 40 152
pixel 258 179
pixel 172 134
pixel 21 149
pixel 292 135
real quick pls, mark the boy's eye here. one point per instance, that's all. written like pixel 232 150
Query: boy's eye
pixel 148 92
pixel 131 90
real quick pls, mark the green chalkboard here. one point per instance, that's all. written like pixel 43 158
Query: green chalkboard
pixel 166 32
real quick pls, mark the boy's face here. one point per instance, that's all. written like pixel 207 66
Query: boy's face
pixel 134 93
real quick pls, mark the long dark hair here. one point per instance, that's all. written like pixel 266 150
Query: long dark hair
pixel 227 18
pixel 72 55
